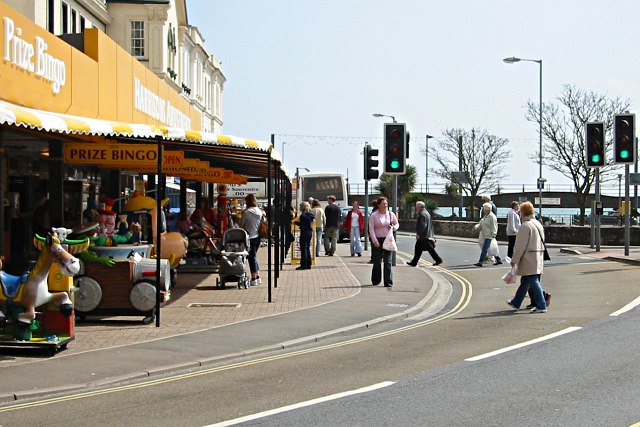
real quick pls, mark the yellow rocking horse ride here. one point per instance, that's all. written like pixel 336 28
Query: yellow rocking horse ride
pixel 48 283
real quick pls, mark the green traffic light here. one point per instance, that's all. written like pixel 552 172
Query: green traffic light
pixel 395 164
pixel 624 154
pixel 595 158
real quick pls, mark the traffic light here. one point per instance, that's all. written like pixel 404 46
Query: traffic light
pixel 594 145
pixel 624 138
pixel 406 149
pixel 370 164
pixel 394 148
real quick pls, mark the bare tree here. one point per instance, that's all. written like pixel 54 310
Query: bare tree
pixel 483 158
pixel 563 136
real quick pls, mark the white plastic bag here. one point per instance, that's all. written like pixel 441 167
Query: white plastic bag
pixel 389 243
pixel 493 249
pixel 510 276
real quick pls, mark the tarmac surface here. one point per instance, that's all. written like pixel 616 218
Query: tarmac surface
pixel 203 325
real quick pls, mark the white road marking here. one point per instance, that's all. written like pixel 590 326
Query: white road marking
pixel 627 307
pixel 302 404
pixel 524 344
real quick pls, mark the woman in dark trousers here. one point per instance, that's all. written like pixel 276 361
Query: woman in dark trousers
pixel 305 222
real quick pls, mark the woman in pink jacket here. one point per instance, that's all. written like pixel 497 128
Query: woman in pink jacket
pixel 380 222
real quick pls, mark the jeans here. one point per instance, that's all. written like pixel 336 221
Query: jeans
pixel 532 281
pixel 305 249
pixel 318 240
pixel 330 239
pixel 254 244
pixel 355 246
pixel 485 249
pixel 377 255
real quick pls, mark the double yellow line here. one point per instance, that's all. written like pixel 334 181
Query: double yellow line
pixel 461 304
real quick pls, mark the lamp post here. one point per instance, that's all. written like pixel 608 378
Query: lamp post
pixel 283 144
pixel 426 170
pixel 299 200
pixel 384 115
pixel 541 180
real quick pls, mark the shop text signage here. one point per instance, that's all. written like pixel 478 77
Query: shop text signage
pixel 121 155
pixel 32 58
pixel 151 104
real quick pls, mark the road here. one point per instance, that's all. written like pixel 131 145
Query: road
pixel 587 376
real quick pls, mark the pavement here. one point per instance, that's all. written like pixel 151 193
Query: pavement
pixel 203 325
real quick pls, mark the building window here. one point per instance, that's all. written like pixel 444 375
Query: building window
pixel 74 19
pixel 64 18
pixel 82 24
pixel 137 39
pixel 50 16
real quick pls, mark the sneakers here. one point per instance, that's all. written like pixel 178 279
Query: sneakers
pixel 536 310
pixel 253 282
pixel 258 281
pixel 510 304
pixel 478 264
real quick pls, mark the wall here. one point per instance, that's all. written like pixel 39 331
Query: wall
pixel 576 235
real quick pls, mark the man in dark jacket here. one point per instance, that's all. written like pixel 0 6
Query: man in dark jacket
pixel 425 240
pixel 332 214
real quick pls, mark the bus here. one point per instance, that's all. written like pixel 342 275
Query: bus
pixel 320 186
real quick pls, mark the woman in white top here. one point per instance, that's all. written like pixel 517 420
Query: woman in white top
pixel 513 225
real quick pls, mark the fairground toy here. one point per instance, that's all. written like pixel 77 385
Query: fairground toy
pixel 46 287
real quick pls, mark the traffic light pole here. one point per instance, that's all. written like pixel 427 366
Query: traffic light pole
pixel 597 217
pixel 627 213
pixel 394 203
pixel 366 215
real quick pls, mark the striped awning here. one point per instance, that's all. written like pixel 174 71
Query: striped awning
pixel 31 118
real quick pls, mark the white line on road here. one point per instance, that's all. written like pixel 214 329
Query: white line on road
pixel 302 404
pixel 524 344
pixel 627 307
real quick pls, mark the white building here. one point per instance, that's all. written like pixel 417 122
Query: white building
pixel 156 32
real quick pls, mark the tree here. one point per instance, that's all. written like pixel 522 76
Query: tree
pixel 482 154
pixel 406 184
pixel 563 126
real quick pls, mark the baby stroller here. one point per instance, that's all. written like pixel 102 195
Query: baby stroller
pixel 233 258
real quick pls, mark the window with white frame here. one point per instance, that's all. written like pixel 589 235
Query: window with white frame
pixel 137 39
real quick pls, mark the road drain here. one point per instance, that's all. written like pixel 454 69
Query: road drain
pixel 214 304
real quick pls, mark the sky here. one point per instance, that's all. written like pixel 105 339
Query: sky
pixel 313 72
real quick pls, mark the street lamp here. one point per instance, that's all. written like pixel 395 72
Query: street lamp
pixel 541 180
pixel 384 115
pixel 298 169
pixel 426 156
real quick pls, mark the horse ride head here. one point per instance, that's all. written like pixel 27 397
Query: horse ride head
pixel 61 233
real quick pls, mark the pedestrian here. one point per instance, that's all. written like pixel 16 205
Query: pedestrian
pixel 513 225
pixel 528 260
pixel 332 214
pixel 380 222
pixel 488 228
pixel 321 219
pixel 305 222
pixel 355 228
pixel 425 239
pixel 487 199
pixel 250 222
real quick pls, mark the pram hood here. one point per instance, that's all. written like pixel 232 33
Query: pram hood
pixel 235 235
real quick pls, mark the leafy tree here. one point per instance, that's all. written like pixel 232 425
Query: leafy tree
pixel 563 126
pixel 406 184
pixel 483 156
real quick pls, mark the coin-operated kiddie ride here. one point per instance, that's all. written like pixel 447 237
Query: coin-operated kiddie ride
pixel 127 285
pixel 46 288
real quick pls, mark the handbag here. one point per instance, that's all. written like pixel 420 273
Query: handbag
pixel 263 229
pixel 545 254
pixel 389 243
